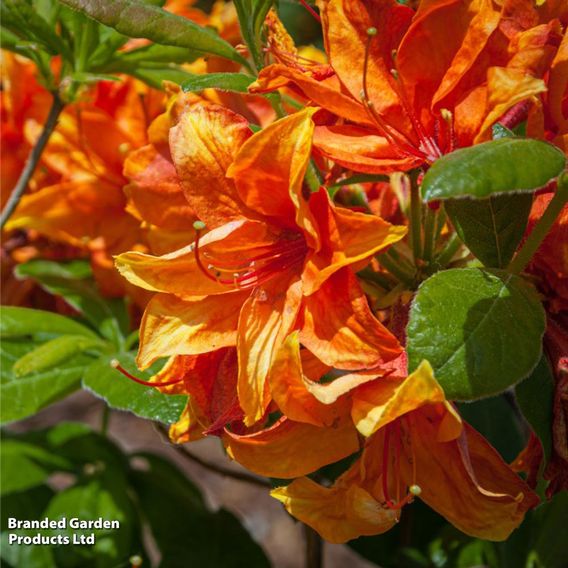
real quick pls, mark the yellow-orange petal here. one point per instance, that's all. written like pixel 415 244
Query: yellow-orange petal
pixel 203 145
pixel 339 513
pixel 269 172
pixel 380 402
pixel 291 449
pixel 266 319
pixel 361 149
pixel 347 238
pixel 467 482
pixel 340 328
pixel 172 326
pixel 178 273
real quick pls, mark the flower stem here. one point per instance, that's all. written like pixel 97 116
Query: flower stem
pixel 314 548
pixel 33 159
pixel 396 268
pixel 449 251
pixel 541 229
pixel 430 224
pixel 415 219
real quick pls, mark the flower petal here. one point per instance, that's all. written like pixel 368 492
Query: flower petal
pixel 266 319
pixel 340 329
pixel 269 171
pixel 203 145
pixel 339 513
pixel 172 326
pixel 291 449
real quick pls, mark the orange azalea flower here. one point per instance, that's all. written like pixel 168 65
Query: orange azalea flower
pixel 408 87
pixel 417 445
pixel 22 98
pixel 86 206
pixel 274 259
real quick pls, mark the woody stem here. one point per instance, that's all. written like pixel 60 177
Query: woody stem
pixel 541 229
pixel 314 548
pixel 33 159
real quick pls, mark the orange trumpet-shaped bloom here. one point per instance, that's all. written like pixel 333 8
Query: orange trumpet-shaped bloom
pixel 410 86
pixel 274 259
pixel 417 445
pixel 84 205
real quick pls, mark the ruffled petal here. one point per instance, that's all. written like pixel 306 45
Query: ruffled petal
pixel 203 144
pixel 266 319
pixel 340 329
pixel 172 326
pixel 291 449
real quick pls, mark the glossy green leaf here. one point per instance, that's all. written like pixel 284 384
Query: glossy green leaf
pixel 18 322
pixel 24 396
pixel 183 529
pixel 139 20
pixel 499 131
pixel 52 353
pixel 122 393
pixel 235 82
pixel 154 77
pixel 535 397
pixel 72 281
pixel 492 168
pixel 480 329
pixel 491 228
pixel 156 53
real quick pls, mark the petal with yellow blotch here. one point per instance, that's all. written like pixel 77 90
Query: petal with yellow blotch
pixel 379 403
pixel 172 326
pixel 203 145
pixel 178 272
pixel 266 318
pixel 339 513
pixel 361 149
pixel 340 328
pixel 506 88
pixel 347 237
pixel 269 172
pixel 291 449
pixel 467 481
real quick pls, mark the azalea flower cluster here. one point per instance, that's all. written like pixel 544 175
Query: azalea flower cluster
pixel 262 275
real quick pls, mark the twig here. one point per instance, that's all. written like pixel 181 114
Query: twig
pixel 218 469
pixel 314 548
pixel 56 107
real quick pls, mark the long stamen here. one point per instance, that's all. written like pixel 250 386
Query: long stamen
pixel 394 136
pixel 311 10
pixel 116 365
pixel 413 491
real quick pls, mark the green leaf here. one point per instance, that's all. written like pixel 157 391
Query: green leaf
pixel 156 53
pixel 251 15
pixel 491 228
pixel 24 465
pixel 495 167
pixel 499 131
pixel 154 77
pixel 18 322
pixel 535 397
pixel 20 17
pixel 72 281
pixel 22 397
pixel 480 329
pixel 122 393
pixel 235 82
pixel 183 529
pixel 53 353
pixel 136 19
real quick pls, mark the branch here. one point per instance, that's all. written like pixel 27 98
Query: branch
pixel 56 107
pixel 218 469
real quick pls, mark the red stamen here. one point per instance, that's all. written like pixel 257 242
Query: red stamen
pixel 310 10
pixel 116 365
